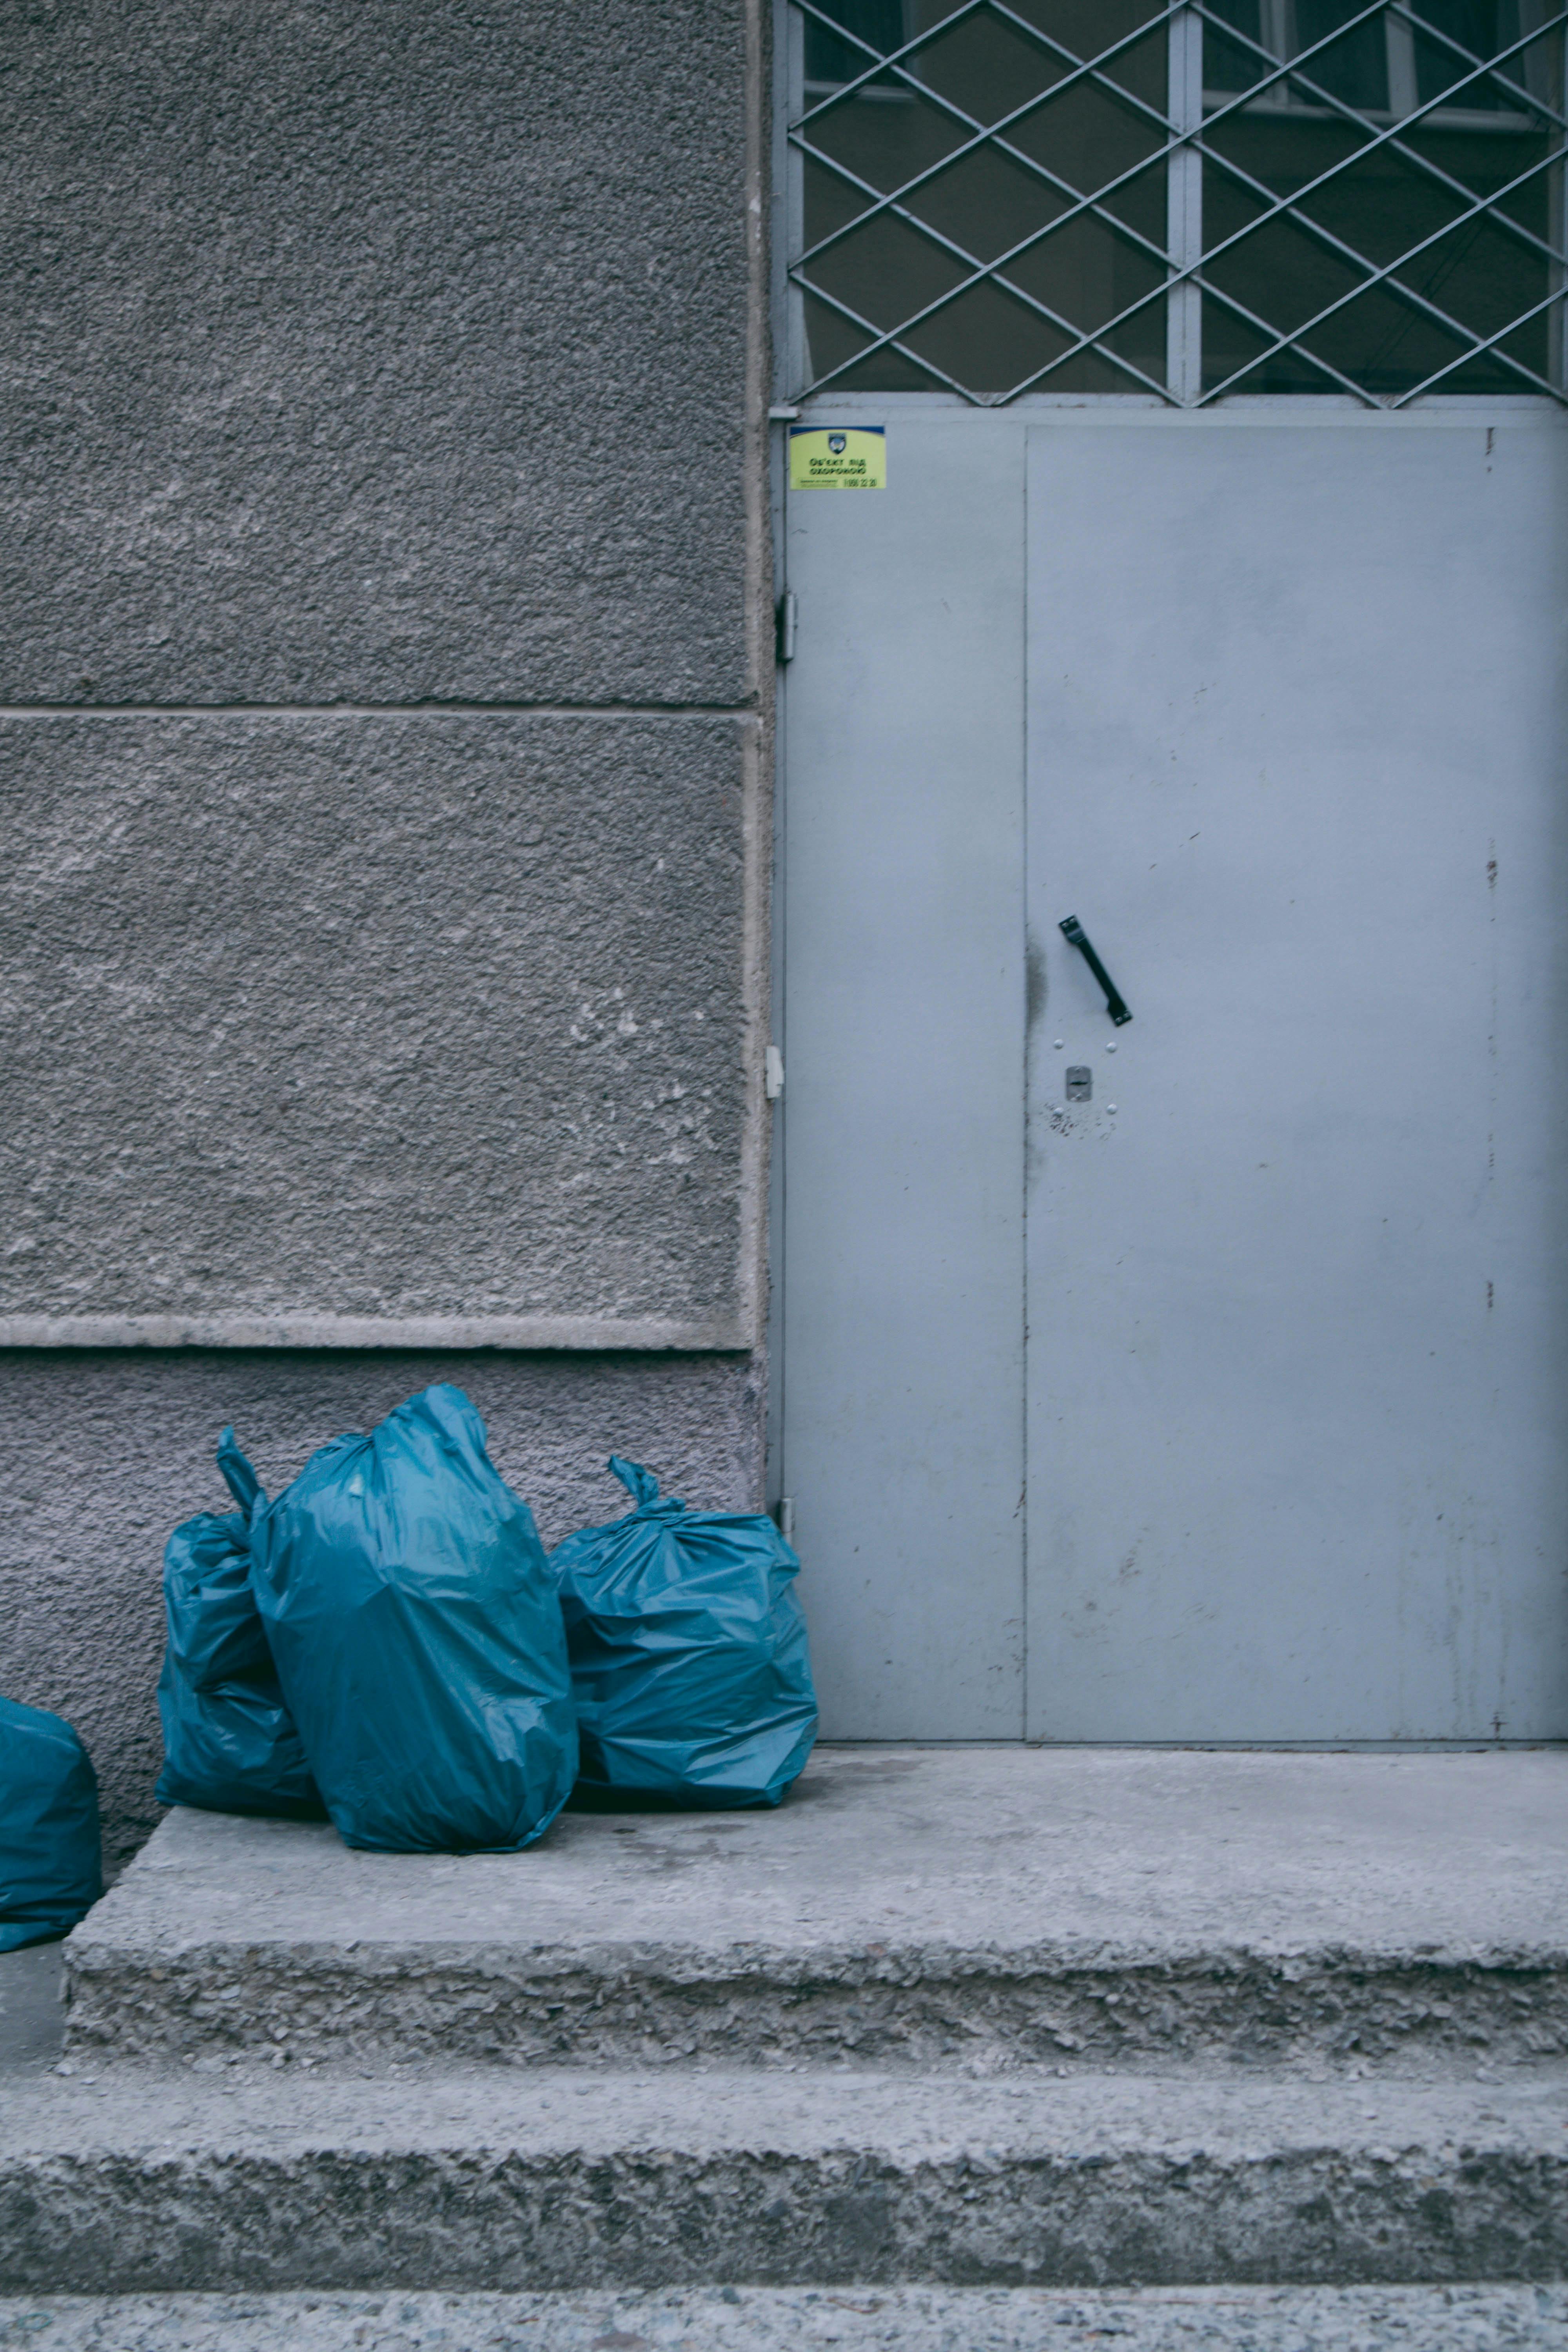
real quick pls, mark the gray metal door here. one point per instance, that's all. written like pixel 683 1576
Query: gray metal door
pixel 1297 1371
pixel 1202 1379
pixel 1273 703
pixel 899 1326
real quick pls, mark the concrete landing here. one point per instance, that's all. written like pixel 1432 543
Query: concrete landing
pixel 964 1908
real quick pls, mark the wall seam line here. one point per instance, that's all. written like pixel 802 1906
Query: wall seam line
pixel 750 714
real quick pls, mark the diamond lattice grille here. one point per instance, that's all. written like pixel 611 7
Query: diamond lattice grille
pixel 1009 196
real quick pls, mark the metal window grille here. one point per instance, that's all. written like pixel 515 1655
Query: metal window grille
pixel 1208 197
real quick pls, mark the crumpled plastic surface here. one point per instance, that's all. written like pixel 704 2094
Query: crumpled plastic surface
pixel 230 1745
pixel 50 1873
pixel 413 1620
pixel 690 1662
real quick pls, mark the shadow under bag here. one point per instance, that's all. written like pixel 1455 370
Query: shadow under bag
pixel 689 1663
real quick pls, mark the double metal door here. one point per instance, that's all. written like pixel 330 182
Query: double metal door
pixel 1201 1377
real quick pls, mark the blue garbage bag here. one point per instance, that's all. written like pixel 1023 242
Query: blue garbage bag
pixel 51 1874
pixel 410 1609
pixel 229 1742
pixel 689 1663
pixel 214 1626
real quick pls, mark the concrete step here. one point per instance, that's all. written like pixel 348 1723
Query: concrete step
pixel 272 2178
pixel 753 2319
pixel 32 2018
pixel 971 1910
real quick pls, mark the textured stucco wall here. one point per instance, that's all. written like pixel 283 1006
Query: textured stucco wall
pixel 381 353
pixel 384 742
pixel 107 1450
pixel 381 1015
pixel 402 356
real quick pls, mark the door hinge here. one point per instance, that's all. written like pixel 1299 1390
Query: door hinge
pixel 773 1074
pixel 784 626
pixel 785 1514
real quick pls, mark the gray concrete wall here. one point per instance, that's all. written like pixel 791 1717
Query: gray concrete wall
pixel 377 1017
pixel 384 742
pixel 391 353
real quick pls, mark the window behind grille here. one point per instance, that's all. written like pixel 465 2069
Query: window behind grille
pixel 1000 209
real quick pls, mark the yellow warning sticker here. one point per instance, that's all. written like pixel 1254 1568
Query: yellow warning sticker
pixel 833 458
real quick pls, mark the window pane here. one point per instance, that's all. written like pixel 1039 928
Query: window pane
pixel 1382 204
pixel 1355 65
pixel 1480 26
pixel 1060 135
pixel 1363 202
pixel 828 58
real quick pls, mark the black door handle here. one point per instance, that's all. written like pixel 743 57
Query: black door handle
pixel 1073 931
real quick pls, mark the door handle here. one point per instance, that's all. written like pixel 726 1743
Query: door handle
pixel 1073 931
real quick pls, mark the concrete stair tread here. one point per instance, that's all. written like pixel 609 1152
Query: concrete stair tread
pixel 751 2319
pixel 164 2179
pixel 909 1907
pixel 798 2111
pixel 1130 1852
